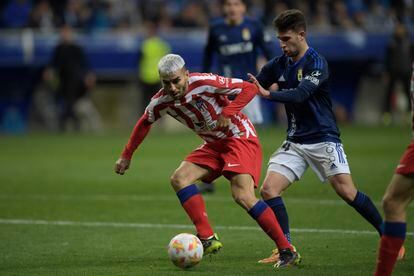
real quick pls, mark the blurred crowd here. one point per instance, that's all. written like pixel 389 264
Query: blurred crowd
pixel 93 15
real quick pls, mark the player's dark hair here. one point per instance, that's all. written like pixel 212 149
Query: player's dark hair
pixel 290 20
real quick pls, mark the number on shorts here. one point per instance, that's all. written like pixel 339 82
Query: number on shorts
pixel 286 146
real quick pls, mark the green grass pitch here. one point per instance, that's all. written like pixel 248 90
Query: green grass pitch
pixel 63 211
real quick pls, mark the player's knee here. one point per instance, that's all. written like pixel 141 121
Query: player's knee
pixel 268 192
pixel 177 180
pixel 346 191
pixel 244 200
pixel 347 195
pixel 390 205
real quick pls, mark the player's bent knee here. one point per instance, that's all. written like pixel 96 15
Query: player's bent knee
pixel 246 202
pixel 391 206
pixel 346 191
pixel 178 181
pixel 268 192
pixel 346 195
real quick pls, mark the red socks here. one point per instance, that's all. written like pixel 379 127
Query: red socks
pixel 196 210
pixel 387 256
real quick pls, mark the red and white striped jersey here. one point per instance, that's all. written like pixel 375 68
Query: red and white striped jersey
pixel 412 100
pixel 201 106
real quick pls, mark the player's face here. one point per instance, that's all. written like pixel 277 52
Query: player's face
pixel 234 10
pixel 291 42
pixel 175 84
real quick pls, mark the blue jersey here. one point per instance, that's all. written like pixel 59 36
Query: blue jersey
pixel 236 47
pixel 305 92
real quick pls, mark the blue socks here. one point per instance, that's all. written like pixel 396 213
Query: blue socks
pixel 278 207
pixel 364 206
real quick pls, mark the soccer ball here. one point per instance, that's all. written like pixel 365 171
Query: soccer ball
pixel 185 250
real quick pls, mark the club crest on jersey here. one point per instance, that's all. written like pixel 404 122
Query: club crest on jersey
pixel 299 74
pixel 222 80
pixel 246 34
pixel 200 104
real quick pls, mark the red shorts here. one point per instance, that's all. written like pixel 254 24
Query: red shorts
pixel 229 155
pixel 406 165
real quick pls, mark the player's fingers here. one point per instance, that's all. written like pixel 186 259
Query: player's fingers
pixel 119 169
pixel 252 78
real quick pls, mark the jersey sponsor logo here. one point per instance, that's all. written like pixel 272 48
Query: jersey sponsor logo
pixel 232 165
pixel 313 80
pixel 246 34
pixel 281 79
pixel 313 77
pixel 300 74
pixel 236 48
pixel 316 74
pixel 222 38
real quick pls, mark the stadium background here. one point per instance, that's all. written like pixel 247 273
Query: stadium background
pixel 62 209
pixel 352 35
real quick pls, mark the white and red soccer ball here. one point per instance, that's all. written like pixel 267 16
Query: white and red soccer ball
pixel 185 250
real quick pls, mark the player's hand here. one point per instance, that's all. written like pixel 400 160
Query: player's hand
pixel 223 122
pixel 262 92
pixel 122 165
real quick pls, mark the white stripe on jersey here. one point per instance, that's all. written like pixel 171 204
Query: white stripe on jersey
pixel 192 79
pixel 234 80
pixel 213 103
pixel 154 102
pixel 211 89
pixel 245 123
pixel 211 77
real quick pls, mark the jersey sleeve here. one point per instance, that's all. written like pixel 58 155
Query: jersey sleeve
pixel 265 76
pixel 219 84
pixel 249 90
pixel 137 136
pixel 156 108
pixel 314 75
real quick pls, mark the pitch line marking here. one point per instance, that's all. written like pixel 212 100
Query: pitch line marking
pixel 215 198
pixel 174 226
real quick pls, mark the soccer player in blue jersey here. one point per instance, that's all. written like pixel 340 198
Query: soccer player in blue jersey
pixel 236 41
pixel 313 139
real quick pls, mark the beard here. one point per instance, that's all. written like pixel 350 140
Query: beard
pixel 293 54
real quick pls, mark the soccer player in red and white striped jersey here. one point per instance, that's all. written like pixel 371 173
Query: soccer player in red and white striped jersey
pixel 231 146
pixel 397 197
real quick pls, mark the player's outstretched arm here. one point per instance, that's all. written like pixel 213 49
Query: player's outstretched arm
pixel 262 92
pixel 138 135
pixel 122 165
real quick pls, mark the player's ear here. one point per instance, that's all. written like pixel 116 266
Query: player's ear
pixel 302 35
